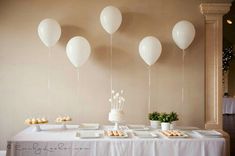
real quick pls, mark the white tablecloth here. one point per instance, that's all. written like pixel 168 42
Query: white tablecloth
pixel 55 142
pixel 228 105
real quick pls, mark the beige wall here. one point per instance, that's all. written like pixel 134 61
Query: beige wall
pixel 23 62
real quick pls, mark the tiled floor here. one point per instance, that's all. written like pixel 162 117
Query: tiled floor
pixel 229 127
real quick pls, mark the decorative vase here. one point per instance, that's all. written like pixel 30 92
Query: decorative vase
pixel 165 126
pixel 155 123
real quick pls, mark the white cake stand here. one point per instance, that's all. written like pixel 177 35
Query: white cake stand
pixel 116 125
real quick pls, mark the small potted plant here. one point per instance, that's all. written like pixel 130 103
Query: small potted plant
pixel 174 117
pixel 165 121
pixel 154 119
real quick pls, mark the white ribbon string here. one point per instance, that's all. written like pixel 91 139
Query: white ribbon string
pixel 48 76
pixel 48 69
pixel 182 93
pixel 77 70
pixel 149 89
pixel 77 74
pixel 111 65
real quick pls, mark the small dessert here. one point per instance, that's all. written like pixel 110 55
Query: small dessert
pixel 28 121
pixel 68 118
pixel 116 133
pixel 35 121
pixel 110 133
pixel 172 133
pixel 44 120
pixel 120 133
pixel 63 119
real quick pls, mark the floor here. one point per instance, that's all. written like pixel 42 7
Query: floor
pixel 229 127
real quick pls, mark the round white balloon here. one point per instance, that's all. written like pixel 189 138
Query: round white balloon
pixel 183 34
pixel 78 50
pixel 150 49
pixel 111 19
pixel 49 31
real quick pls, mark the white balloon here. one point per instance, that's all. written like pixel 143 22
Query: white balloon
pixel 111 19
pixel 150 49
pixel 49 31
pixel 78 50
pixel 183 34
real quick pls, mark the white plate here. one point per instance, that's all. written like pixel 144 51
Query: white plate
pixel 145 134
pixel 138 127
pixel 125 135
pixel 182 136
pixel 208 133
pixel 89 126
pixel 88 135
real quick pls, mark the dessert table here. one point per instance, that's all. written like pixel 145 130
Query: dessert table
pixel 228 105
pixel 53 141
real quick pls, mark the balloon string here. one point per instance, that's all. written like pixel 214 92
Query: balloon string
pixel 183 56
pixel 77 74
pixel 149 90
pixel 48 70
pixel 77 85
pixel 111 64
pixel 48 76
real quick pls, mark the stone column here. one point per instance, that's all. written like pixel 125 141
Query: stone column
pixel 213 13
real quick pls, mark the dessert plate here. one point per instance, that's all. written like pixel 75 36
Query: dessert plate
pixel 88 135
pixel 182 134
pixel 138 127
pixel 208 133
pixel 145 134
pixel 88 126
pixel 125 135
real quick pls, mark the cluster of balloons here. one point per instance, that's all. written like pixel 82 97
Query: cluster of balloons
pixel 150 47
pixel 78 48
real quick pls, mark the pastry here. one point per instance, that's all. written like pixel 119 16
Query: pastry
pixel 44 120
pixel 116 133
pixel 36 121
pixel 63 119
pixel 28 121
pixel 172 133
pixel 68 118
pixel 120 133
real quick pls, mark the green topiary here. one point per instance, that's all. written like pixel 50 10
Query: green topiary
pixel 154 116
pixel 164 117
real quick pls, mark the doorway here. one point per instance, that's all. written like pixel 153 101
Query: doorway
pixel 229 76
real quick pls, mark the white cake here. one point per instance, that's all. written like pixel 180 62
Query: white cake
pixel 116 115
